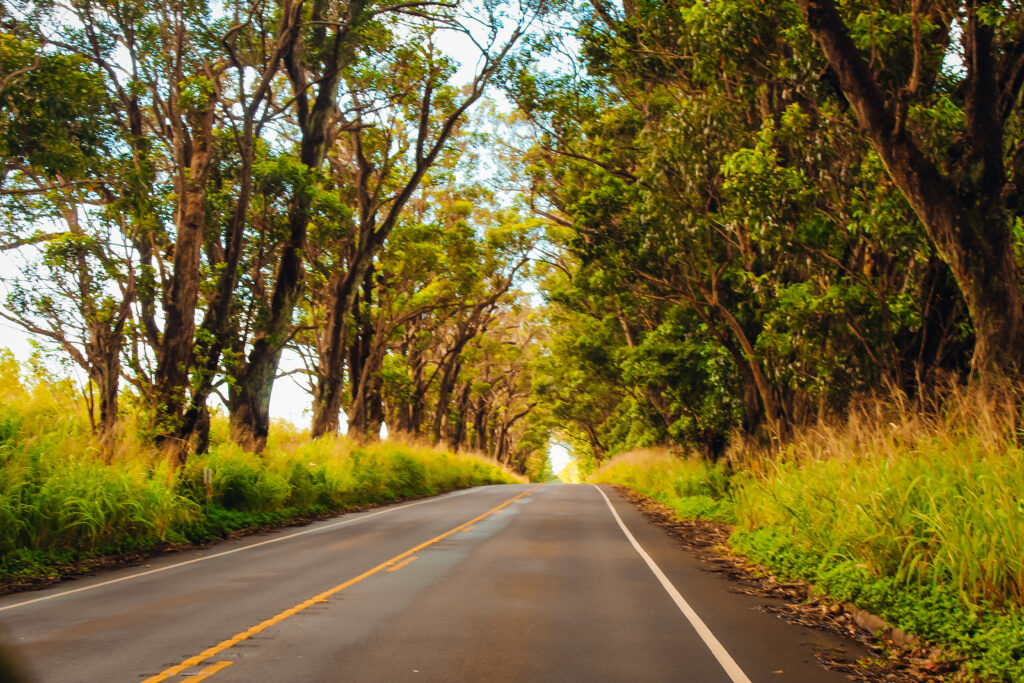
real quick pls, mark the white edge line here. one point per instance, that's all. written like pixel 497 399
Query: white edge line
pixel 345 522
pixel 732 669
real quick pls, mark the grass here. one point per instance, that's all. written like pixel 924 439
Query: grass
pixel 915 515
pixel 689 486
pixel 65 497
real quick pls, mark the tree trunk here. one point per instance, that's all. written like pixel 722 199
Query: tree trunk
pixel 251 423
pixel 328 393
pixel 251 420
pixel 458 434
pixel 367 413
pixel 250 400
pixel 105 334
pixel 373 405
pixel 444 393
pixel 480 419
pixel 964 215
pixel 103 351
pixel 107 380
pixel 174 356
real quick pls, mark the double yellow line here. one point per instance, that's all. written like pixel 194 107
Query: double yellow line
pixel 322 597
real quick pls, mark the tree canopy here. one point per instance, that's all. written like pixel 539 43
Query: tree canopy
pixel 675 223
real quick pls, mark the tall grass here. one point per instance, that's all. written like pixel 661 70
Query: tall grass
pixel 918 497
pixel 65 496
pixel 690 486
pixel 917 515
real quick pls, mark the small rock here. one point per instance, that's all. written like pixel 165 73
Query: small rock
pixel 866 620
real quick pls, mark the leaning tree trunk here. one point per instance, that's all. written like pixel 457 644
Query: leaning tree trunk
pixel 250 418
pixel 964 214
pixel 329 390
pixel 250 414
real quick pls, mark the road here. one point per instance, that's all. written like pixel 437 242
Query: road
pixel 497 583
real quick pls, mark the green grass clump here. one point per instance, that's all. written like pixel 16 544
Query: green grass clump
pixel 66 496
pixel 991 639
pixel 941 511
pixel 913 516
pixel 690 486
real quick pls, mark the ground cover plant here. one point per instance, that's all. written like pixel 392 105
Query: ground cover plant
pixel 67 495
pixel 915 516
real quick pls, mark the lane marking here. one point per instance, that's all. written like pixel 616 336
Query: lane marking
pixel 726 661
pixel 207 672
pixel 468 528
pixel 278 539
pixel 292 611
pixel 395 568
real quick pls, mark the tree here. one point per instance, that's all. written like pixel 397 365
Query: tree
pixel 418 127
pixel 738 251
pixel 320 50
pixel 53 147
pixel 962 186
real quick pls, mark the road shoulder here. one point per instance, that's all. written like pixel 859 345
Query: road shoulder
pixel 850 648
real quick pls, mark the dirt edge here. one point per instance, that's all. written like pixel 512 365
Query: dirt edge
pixel 896 655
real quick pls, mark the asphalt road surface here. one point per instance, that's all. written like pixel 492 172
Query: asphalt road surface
pixel 498 583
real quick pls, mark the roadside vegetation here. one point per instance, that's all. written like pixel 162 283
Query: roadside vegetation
pixel 65 497
pixel 914 516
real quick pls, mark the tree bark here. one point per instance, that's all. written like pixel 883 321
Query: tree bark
pixel 217 322
pixel 365 360
pixel 445 387
pixel 194 149
pixel 458 434
pixel 251 413
pixel 964 215
pixel 104 353
pixel 328 392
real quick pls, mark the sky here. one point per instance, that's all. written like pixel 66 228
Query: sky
pixel 558 456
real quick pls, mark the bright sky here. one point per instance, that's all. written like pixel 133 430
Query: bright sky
pixel 559 457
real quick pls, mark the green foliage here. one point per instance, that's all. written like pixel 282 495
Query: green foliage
pixel 690 486
pixel 50 120
pixel 990 638
pixel 61 501
pixel 734 255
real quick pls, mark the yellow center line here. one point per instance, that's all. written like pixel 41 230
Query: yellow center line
pixel 322 597
pixel 207 672
pixel 466 529
pixel 402 563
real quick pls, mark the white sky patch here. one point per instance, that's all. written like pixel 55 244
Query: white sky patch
pixel 558 456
